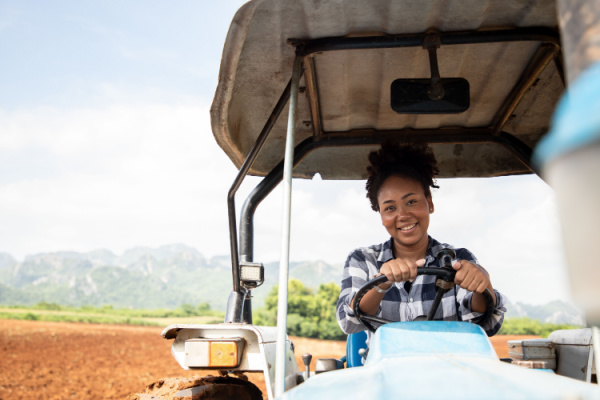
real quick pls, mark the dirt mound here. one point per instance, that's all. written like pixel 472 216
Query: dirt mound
pixel 210 387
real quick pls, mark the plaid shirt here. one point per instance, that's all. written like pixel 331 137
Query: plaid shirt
pixel 398 304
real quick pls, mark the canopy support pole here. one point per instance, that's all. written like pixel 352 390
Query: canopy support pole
pixel 237 298
pixel 280 355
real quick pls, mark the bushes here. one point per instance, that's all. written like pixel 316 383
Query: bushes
pixel 528 326
pixel 309 314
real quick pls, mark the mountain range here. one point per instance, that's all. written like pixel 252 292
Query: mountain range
pixel 142 277
pixel 169 276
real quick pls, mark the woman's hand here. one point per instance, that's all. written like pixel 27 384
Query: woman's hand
pixel 476 279
pixel 398 270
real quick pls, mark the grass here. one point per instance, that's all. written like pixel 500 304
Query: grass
pixel 50 312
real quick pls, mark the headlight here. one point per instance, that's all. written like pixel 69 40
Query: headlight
pixel 252 274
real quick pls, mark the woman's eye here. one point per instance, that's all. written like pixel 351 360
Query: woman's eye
pixel 411 202
pixel 390 208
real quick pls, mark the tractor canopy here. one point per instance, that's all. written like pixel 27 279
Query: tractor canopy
pixel 504 56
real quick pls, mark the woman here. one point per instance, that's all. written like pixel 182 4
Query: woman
pixel 400 178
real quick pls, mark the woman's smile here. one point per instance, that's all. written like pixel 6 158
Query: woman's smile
pixel 407 228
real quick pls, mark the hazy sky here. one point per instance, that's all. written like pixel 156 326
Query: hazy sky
pixel 105 142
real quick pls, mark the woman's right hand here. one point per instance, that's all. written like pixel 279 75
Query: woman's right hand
pixel 398 270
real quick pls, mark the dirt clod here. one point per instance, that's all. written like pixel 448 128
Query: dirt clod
pixel 210 387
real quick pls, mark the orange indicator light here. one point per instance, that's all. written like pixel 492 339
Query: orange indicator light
pixel 223 354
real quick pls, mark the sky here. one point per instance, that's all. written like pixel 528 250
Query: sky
pixel 105 142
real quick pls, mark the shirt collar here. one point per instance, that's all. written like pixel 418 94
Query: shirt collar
pixel 387 254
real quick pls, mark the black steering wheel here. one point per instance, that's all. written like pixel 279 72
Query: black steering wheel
pixel 444 282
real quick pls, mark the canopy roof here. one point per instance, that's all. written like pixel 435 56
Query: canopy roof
pixel 507 50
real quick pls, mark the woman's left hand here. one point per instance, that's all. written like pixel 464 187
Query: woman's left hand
pixel 471 276
pixel 476 279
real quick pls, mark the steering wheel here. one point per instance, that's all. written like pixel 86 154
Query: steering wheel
pixel 444 282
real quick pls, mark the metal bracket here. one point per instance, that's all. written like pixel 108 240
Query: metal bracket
pixel 443 284
pixel 431 43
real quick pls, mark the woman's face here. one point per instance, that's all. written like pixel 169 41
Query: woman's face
pixel 404 210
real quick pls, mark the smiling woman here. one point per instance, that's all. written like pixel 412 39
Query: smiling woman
pixel 400 178
pixel 404 210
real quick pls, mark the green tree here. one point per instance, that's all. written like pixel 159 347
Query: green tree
pixel 309 314
pixel 203 308
pixel 188 309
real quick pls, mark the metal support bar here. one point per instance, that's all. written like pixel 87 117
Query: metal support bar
pixel 235 306
pixel 260 141
pixel 247 308
pixel 450 135
pixel 313 95
pixel 536 66
pixel 596 347
pixel 536 34
pixel 436 303
pixel 517 148
pixel 264 187
pixel 280 356
pixel 431 44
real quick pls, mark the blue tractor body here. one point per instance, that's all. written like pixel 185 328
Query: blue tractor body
pixel 438 359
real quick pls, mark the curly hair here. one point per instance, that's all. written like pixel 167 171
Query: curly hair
pixel 412 161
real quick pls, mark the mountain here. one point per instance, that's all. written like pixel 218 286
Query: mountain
pixel 6 260
pixel 555 312
pixel 142 277
pixel 169 276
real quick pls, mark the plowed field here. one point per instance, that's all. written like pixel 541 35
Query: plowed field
pixel 44 360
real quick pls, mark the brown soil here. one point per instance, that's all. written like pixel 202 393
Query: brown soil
pixel 45 360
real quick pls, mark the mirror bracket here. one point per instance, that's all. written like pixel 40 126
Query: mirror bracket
pixel 435 95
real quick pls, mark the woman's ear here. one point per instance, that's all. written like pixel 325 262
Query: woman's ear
pixel 431 206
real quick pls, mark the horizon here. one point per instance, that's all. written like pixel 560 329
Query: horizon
pixel 228 258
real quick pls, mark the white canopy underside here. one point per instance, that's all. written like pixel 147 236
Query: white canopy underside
pixel 354 85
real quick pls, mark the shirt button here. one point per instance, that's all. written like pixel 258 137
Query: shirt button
pixel 411 300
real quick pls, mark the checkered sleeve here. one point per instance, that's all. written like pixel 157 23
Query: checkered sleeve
pixel 356 274
pixel 492 325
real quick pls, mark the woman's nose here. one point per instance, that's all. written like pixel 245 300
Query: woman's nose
pixel 402 213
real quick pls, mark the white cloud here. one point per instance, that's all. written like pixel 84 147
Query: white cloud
pixel 123 176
